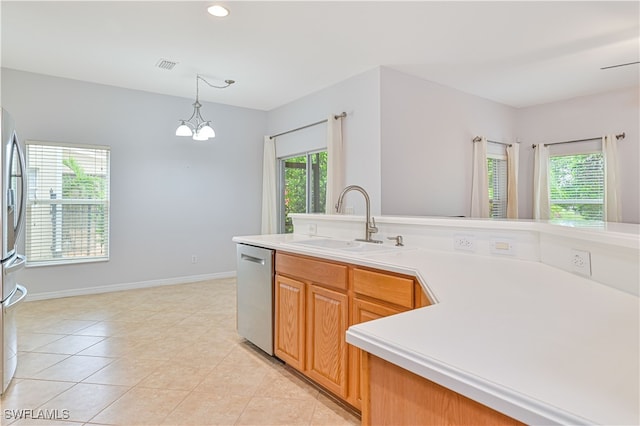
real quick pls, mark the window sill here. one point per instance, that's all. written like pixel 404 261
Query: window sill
pixel 65 262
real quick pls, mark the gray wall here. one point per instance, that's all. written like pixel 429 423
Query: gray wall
pixel 171 197
pixel 581 118
pixel 359 97
pixel 408 140
pixel 426 142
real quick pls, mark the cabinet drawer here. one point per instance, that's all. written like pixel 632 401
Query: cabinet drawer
pixel 388 288
pixel 320 272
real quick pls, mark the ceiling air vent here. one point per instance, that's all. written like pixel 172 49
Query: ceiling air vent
pixel 165 64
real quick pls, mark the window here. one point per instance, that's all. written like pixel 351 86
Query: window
pixel 497 179
pixel 67 203
pixel 303 183
pixel 576 185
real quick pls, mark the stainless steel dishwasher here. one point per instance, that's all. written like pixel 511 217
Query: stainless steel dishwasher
pixel 255 295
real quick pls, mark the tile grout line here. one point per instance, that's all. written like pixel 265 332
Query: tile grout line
pixel 210 306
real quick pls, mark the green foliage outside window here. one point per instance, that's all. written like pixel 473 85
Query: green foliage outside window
pixel 577 187
pixel 302 174
pixel 497 180
pixel 89 219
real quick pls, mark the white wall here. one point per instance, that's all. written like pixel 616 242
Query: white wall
pixel 426 144
pixel 581 118
pixel 171 197
pixel 359 98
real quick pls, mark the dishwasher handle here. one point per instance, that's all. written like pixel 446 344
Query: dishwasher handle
pixel 253 259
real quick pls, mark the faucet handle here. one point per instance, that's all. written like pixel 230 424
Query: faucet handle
pixel 398 240
pixel 372 226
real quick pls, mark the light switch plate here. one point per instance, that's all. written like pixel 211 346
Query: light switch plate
pixel 502 246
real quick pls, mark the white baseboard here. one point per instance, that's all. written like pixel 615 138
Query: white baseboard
pixel 128 286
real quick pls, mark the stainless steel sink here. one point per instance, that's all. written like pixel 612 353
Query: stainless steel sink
pixel 344 245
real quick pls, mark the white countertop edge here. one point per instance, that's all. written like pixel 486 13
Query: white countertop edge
pixel 499 398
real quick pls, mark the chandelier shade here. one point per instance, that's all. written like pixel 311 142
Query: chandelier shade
pixel 196 126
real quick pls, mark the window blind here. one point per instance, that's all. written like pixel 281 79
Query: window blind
pixel 576 185
pixel 67 203
pixel 497 180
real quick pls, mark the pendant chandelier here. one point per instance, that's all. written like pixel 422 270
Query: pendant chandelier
pixel 196 126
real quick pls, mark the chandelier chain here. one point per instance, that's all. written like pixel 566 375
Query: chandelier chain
pixel 196 126
pixel 228 83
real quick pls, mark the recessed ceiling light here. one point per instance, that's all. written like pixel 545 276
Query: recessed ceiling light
pixel 217 10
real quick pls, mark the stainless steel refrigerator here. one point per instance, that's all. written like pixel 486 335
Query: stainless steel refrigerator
pixel 13 211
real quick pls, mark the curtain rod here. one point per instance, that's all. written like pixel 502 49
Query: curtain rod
pixel 618 136
pixel 478 139
pixel 344 114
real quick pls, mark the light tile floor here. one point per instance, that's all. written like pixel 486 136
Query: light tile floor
pixel 165 355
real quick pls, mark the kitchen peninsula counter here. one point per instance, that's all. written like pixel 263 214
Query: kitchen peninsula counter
pixel 534 342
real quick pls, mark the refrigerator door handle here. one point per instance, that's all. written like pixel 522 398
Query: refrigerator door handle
pixel 13 303
pixel 23 184
pixel 16 264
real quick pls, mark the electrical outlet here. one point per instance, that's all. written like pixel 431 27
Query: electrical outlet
pixel 312 229
pixel 464 242
pixel 581 262
pixel 502 246
pixel 194 258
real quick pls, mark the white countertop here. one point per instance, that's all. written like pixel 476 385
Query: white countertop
pixel 534 342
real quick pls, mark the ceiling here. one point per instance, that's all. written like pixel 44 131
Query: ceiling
pixel 518 53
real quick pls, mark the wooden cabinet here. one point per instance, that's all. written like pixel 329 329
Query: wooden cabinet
pixel 325 273
pixel 289 333
pixel 327 323
pixel 317 300
pixel 316 344
pixel 386 287
pixel 395 396
pixel 376 295
pixel 362 311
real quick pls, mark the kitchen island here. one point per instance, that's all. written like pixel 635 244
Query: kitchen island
pixel 536 343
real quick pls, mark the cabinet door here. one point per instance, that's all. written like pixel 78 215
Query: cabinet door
pixel 363 311
pixel 290 321
pixel 326 347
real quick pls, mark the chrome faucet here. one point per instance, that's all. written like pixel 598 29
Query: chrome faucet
pixel 370 224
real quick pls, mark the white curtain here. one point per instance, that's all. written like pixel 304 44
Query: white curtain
pixel 612 198
pixel 269 191
pixel 479 181
pixel 541 206
pixel 513 157
pixel 335 163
